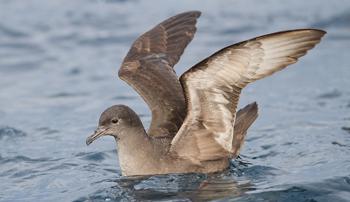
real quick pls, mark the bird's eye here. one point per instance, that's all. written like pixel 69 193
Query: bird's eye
pixel 114 120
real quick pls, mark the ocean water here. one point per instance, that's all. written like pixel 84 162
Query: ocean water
pixel 58 71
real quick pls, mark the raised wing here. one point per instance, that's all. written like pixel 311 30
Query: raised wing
pixel 213 86
pixel 148 69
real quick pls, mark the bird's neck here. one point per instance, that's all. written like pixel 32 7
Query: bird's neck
pixel 134 150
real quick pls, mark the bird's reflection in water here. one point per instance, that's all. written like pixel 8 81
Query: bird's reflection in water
pixel 194 187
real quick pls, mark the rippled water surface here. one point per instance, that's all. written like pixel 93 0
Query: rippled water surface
pixel 58 71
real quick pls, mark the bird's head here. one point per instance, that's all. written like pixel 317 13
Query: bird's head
pixel 114 121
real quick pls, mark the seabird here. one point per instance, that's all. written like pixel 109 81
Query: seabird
pixel 194 127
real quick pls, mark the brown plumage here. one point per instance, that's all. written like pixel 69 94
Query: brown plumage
pixel 148 69
pixel 195 127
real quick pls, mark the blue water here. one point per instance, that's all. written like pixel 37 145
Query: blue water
pixel 58 72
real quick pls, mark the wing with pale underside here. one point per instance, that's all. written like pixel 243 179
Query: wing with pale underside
pixel 212 89
pixel 148 68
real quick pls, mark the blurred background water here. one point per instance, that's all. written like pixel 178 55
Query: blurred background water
pixel 58 71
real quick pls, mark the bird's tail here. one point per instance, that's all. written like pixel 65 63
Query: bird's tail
pixel 245 117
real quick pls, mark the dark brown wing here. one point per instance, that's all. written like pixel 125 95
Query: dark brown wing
pixel 148 68
pixel 212 89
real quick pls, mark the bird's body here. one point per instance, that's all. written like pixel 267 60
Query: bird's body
pixel 195 127
pixel 150 156
pixel 142 154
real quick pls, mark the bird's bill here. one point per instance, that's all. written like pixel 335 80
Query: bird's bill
pixel 99 132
